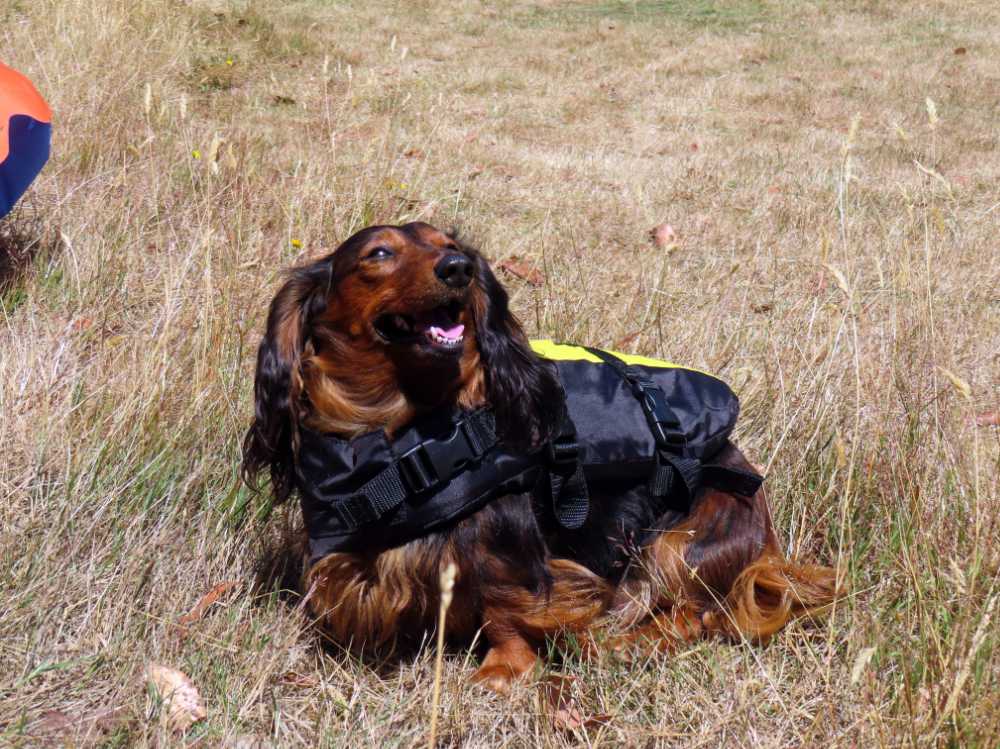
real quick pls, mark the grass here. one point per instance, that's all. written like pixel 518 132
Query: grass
pixel 695 14
pixel 831 172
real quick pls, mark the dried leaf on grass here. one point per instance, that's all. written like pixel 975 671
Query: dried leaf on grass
pixel 626 339
pixel 181 699
pixel 566 713
pixel 663 236
pixel 306 681
pixel 522 269
pixel 207 600
pixel 988 419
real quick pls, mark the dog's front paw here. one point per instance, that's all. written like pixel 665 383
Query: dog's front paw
pixel 497 678
pixel 504 664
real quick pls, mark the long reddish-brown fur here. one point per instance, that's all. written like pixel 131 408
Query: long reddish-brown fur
pixel 324 366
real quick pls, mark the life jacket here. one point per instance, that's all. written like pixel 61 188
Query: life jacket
pixel 627 417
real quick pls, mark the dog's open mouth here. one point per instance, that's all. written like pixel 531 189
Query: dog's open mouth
pixel 438 328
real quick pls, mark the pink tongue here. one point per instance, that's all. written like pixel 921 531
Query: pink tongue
pixel 453 332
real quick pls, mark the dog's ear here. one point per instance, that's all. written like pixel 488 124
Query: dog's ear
pixel 522 388
pixel 271 440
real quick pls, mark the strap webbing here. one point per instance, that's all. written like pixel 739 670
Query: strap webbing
pixel 669 466
pixel 732 480
pixel 570 498
pixel 693 475
pixel 424 467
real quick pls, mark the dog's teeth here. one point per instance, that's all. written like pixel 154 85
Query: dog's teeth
pixel 438 338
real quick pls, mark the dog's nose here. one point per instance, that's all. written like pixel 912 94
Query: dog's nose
pixel 455 270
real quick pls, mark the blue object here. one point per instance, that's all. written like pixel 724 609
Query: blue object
pixel 28 150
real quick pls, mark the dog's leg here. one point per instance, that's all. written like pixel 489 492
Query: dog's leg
pixel 518 617
pixel 664 632
pixel 509 658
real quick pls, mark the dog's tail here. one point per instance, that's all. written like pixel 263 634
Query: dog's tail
pixel 724 562
pixel 771 592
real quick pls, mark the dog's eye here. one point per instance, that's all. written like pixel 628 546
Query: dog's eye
pixel 379 253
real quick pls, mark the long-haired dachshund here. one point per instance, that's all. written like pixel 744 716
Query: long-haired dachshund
pixel 401 321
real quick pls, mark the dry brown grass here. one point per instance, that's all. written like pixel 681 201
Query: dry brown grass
pixel 837 253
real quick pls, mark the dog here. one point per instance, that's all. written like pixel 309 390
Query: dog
pixel 404 321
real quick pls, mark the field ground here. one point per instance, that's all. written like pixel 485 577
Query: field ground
pixel 832 176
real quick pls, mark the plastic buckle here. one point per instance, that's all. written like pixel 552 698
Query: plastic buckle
pixel 435 461
pixel 563 453
pixel 660 417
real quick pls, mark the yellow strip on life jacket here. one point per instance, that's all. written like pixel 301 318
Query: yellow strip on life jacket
pixel 549 349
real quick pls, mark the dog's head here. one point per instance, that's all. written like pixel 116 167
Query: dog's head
pixel 395 321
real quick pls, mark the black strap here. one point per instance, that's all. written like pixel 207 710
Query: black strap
pixel 570 498
pixel 670 467
pixel 732 480
pixel 420 469
pixel 693 475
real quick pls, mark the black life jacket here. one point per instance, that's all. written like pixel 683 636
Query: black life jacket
pixel 627 416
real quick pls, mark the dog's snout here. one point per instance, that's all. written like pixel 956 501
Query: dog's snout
pixel 455 270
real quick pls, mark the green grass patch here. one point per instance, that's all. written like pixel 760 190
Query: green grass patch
pixel 706 14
